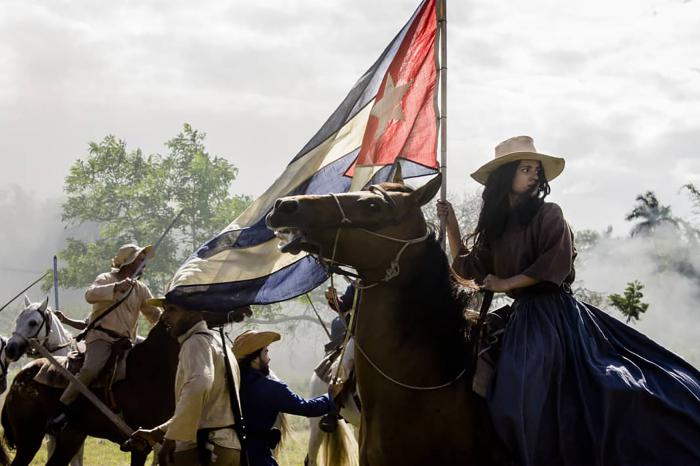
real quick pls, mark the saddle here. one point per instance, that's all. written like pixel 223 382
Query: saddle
pixel 324 369
pixel 113 371
pixel 489 350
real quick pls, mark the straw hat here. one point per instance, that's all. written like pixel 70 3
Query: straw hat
pixel 128 254
pixel 251 341
pixel 519 148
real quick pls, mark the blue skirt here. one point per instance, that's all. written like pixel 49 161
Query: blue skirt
pixel 575 386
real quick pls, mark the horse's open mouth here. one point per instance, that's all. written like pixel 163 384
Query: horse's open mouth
pixel 292 240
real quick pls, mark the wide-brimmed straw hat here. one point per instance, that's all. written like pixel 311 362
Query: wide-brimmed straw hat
pixel 128 254
pixel 519 148
pixel 251 341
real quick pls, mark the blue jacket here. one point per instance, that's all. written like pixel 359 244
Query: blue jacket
pixel 262 399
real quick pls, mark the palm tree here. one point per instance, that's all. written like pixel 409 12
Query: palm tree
pixel 650 214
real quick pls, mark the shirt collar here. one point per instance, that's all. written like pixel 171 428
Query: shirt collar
pixel 200 326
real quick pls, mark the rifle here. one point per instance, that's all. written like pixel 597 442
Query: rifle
pixel 20 293
pixel 239 423
pixel 137 274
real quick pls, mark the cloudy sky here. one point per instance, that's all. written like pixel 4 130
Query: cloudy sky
pixel 614 87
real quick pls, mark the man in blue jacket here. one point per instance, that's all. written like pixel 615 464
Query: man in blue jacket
pixel 263 398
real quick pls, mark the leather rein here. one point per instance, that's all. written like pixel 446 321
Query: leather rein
pixel 392 271
pixel 45 317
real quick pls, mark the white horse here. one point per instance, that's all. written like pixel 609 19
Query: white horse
pixel 325 443
pixel 4 365
pixel 38 321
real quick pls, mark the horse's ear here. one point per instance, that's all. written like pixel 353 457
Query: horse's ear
pixel 27 302
pixel 425 193
pixel 44 304
pixel 396 176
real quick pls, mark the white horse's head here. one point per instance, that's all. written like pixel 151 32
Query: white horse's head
pixel 4 363
pixel 35 321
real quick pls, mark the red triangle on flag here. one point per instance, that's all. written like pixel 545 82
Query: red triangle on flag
pixel 403 119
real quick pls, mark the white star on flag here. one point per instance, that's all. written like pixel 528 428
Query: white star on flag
pixel 389 107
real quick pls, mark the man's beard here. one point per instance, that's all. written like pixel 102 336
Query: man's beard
pixel 265 369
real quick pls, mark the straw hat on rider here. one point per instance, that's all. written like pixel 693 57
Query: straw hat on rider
pixel 251 341
pixel 128 254
pixel 519 148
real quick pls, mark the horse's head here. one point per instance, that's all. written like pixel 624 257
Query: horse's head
pixel 4 365
pixel 356 228
pixel 33 322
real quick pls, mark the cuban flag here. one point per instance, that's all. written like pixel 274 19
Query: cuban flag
pixel 388 119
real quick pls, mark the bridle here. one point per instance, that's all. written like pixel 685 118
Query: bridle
pixel 3 361
pixel 45 324
pixel 392 271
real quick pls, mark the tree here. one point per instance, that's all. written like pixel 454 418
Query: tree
pixel 630 303
pixel 649 214
pixel 125 197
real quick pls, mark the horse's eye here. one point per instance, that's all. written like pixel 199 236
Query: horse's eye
pixel 374 206
pixel 32 324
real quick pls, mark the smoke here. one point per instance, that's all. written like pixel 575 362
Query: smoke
pixel 667 263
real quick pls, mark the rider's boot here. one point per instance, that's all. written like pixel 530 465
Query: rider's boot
pixel 59 421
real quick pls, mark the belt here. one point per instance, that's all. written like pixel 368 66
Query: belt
pixel 109 332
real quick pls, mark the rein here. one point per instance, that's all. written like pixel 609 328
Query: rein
pixel 45 317
pixel 392 272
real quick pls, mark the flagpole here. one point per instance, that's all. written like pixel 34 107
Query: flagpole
pixel 442 26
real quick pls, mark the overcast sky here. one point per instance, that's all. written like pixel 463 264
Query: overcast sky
pixel 614 87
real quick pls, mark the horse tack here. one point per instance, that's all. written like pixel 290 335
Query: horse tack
pixel 45 317
pixel 394 269
pixel 392 272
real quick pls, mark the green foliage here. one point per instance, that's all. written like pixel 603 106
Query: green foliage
pixel 630 303
pixel 650 214
pixel 128 197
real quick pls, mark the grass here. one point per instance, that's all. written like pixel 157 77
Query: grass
pixel 99 452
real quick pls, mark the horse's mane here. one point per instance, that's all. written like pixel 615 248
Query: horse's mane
pixel 432 307
pixel 396 187
pixel 158 343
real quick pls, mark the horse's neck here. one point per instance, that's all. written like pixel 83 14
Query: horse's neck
pixel 58 335
pixel 411 324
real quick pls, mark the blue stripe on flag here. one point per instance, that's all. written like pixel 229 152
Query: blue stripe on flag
pixel 287 283
pixel 329 179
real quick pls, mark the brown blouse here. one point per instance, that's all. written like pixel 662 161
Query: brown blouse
pixel 543 249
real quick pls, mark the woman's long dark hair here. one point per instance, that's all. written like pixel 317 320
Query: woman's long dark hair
pixel 496 209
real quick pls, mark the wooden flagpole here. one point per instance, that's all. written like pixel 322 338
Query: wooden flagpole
pixel 55 283
pixel 442 27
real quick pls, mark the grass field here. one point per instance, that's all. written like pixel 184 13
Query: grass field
pixel 100 452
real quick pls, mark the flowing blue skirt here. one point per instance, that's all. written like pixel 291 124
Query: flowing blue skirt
pixel 575 386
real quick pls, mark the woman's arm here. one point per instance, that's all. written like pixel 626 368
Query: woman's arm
pixel 503 285
pixel 454 237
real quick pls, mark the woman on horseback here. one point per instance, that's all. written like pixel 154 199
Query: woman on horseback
pixel 573 385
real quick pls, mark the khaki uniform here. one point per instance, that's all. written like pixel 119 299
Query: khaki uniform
pixel 202 397
pixel 121 321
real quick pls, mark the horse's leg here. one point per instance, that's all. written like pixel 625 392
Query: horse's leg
pixel 78 458
pixel 138 458
pixel 315 439
pixel 316 387
pixel 68 444
pixel 26 449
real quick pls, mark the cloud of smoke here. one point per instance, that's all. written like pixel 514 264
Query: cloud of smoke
pixel 667 263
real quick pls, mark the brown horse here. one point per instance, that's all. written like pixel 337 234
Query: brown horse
pixel 145 398
pixel 412 363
